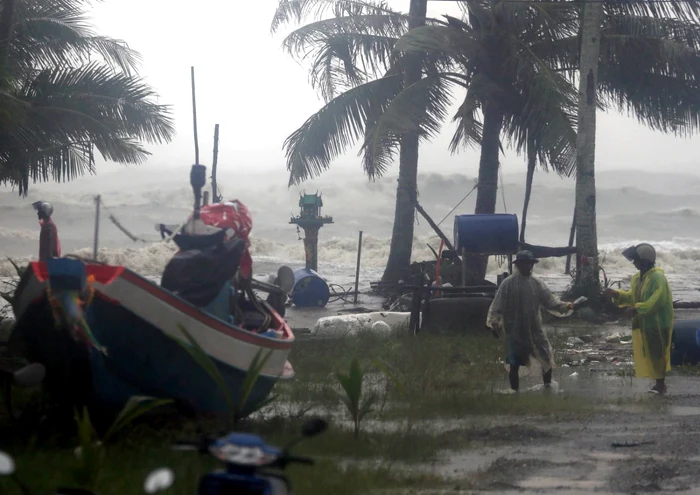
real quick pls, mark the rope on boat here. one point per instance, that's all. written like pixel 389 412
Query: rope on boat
pixel 476 184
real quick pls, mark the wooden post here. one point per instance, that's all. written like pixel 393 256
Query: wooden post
pixel 214 188
pixel 96 236
pixel 194 120
pixel 357 270
pixel 572 236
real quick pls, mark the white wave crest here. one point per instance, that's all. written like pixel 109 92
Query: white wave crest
pixel 677 256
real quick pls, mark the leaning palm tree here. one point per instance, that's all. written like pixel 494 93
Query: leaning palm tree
pixel 516 93
pixel 63 106
pixel 357 74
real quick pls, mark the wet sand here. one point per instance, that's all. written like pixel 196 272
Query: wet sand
pixel 647 446
pixel 638 443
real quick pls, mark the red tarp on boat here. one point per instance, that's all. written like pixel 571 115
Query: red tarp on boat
pixel 234 218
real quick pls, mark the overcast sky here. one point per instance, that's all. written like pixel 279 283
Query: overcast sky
pixel 259 95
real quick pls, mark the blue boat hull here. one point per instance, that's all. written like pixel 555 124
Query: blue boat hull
pixel 142 360
pixel 137 322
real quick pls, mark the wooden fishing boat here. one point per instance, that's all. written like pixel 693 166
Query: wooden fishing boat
pixel 105 333
pixel 128 346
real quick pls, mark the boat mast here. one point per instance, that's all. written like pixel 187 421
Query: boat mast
pixel 198 172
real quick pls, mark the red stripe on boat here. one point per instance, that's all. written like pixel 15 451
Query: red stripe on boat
pixel 202 317
pixel 104 274
pixel 107 274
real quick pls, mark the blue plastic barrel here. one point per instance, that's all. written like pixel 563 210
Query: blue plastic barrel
pixel 487 233
pixel 686 342
pixel 310 290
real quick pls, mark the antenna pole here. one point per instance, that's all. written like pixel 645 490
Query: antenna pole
pixel 214 187
pixel 194 119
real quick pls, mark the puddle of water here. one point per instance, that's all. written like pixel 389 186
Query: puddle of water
pixel 551 483
pixel 684 410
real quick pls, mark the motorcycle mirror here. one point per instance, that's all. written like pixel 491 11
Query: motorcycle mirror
pixel 285 279
pixel 7 464
pixel 29 376
pixel 313 427
pixel 159 480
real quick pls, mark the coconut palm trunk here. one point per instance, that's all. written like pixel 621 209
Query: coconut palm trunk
pixel 586 235
pixel 487 189
pixel 6 14
pixel 407 189
pixel 531 163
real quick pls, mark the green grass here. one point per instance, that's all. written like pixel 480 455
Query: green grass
pixel 145 448
pixel 441 376
pixel 445 381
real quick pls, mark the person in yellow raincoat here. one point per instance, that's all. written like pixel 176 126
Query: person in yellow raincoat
pixel 650 304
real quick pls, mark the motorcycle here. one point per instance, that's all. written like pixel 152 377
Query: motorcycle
pixel 156 481
pixel 251 465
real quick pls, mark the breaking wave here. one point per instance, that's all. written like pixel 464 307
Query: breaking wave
pixel 339 255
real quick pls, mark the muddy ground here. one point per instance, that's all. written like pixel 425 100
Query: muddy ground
pixel 638 443
pixel 649 446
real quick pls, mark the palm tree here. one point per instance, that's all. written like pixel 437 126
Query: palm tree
pixel 643 58
pixel 648 65
pixel 354 47
pixel 350 50
pixel 63 105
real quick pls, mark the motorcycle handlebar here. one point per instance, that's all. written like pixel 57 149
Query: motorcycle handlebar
pixel 202 448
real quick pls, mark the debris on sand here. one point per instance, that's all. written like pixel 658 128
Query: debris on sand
pixel 574 341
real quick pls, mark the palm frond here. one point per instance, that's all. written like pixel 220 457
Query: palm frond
pixel 338 125
pixel 49 34
pixel 68 111
pixel 447 41
pixel 683 10
pixel 468 132
pixel 294 11
pixel 342 61
pixel 662 102
pixel 418 109
pixel 651 68
pixel 542 111
pixel 349 50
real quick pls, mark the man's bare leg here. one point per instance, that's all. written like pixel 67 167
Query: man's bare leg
pixel 547 378
pixel 514 377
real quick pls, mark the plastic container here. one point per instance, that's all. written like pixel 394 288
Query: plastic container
pixel 310 290
pixel 486 234
pixel 686 342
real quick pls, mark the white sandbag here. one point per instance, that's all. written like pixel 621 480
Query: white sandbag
pixel 380 322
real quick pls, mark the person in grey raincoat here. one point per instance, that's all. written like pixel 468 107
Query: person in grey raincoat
pixel 516 310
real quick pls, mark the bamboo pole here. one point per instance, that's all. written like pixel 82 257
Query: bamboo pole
pixel 194 119
pixel 572 236
pixel 357 269
pixel 96 236
pixel 214 188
